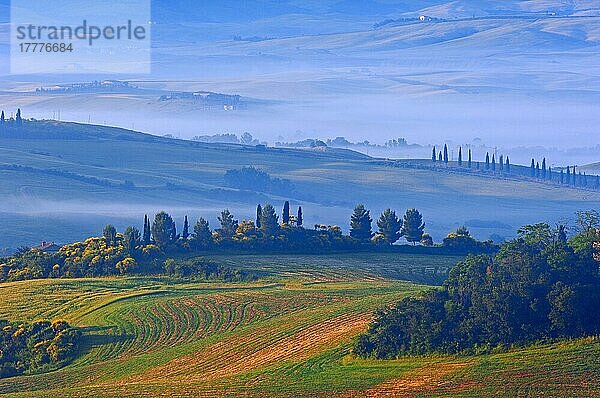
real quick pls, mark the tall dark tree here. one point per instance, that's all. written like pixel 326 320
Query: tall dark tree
pixel 537 169
pixel 269 221
pixel 494 162
pixel 131 239
pixel 389 226
pixel 433 157
pixel 470 161
pixel 562 176
pixel 2 118
pixel 285 217
pixel 574 176
pixel 299 219
pixel 532 171
pixel 360 224
pixel 440 157
pixel 487 161
pixel 147 237
pixel 568 177
pixel 202 236
pixel 18 118
pixel 460 156
pixel 413 226
pixel 544 168
pixel 186 229
pixel 163 229
pixel 258 215
pixel 507 165
pixel 228 223
pixel 446 153
pixel 110 234
pixel 550 173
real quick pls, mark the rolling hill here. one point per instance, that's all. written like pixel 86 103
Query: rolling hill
pixel 64 181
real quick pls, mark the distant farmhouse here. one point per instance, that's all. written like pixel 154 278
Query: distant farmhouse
pixel 208 100
pixel 48 247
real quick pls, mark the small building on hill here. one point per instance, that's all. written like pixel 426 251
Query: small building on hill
pixel 48 247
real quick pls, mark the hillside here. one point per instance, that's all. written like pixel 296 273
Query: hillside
pixel 288 335
pixel 63 182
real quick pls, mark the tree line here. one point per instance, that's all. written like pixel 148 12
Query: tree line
pixel 567 175
pixel 539 286
pixel 157 246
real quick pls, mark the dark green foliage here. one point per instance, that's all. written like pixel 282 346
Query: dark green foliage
pixel 433 157
pixel 544 168
pixel 147 233
pixel 201 268
pixel 131 239
pixel 110 234
pixel 202 237
pixel 269 221
pixel 36 347
pixel 258 215
pixel 532 167
pixel 413 226
pixel 285 218
pixel 228 224
pixel 462 241
pixel 186 229
pixel 389 226
pixel 360 224
pixel 299 219
pixel 537 287
pixel 440 157
pixel 487 161
pixel 2 119
pixel 470 161
pixel 501 163
pixel 163 229
pixel 446 153
pixel 19 119
pixel 253 179
pixel 494 162
pixel 460 156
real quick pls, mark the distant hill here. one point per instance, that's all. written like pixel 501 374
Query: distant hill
pixel 593 168
pixel 63 181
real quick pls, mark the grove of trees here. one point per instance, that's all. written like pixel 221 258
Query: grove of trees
pixel 539 286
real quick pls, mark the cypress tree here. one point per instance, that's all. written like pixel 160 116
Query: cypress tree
pixel 460 156
pixel 507 165
pixel 360 224
pixel 2 118
pixel 286 213
pixel 186 229
pixel 574 176
pixel 258 216
pixel 568 178
pixel 433 157
pixel 487 160
pixel 269 221
pixel 19 119
pixel 501 163
pixel 532 168
pixel 299 219
pixel 562 176
pixel 440 158
pixel 470 161
pixel 389 226
pixel 446 153
pixel 544 168
pixel 494 162
pixel 413 226
pixel 146 236
pixel 537 170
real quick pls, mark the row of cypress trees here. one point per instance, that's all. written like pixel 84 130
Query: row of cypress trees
pixel 502 165
pixel 18 120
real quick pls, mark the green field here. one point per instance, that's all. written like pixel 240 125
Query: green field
pixel 288 334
